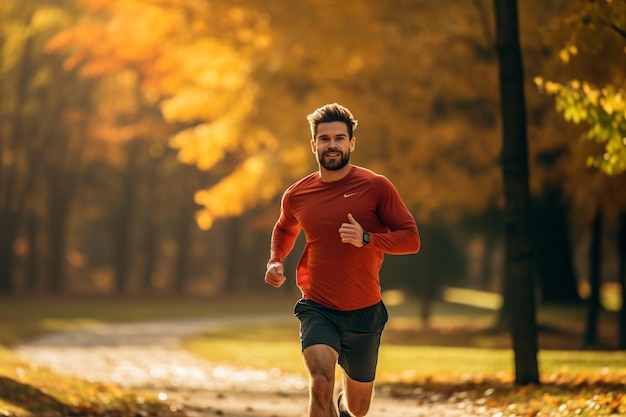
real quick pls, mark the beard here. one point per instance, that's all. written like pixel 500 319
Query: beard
pixel 334 164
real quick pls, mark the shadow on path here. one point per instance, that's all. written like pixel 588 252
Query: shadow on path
pixel 28 397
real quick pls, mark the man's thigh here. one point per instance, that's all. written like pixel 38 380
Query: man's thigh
pixel 317 325
pixel 361 333
pixel 320 360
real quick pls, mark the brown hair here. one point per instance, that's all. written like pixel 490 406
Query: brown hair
pixel 332 113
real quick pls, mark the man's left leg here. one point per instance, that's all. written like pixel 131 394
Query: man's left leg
pixel 356 397
pixel 358 357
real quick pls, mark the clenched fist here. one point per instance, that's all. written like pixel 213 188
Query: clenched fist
pixel 274 274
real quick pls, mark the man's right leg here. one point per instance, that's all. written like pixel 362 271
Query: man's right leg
pixel 320 361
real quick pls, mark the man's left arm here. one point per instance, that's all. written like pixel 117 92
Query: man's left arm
pixel 403 236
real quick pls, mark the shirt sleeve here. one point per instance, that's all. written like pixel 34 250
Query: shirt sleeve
pixel 285 232
pixel 403 236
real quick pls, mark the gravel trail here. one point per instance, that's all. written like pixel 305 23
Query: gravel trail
pixel 149 356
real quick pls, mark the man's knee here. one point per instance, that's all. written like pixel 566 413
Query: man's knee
pixel 359 406
pixel 358 396
pixel 322 381
pixel 320 361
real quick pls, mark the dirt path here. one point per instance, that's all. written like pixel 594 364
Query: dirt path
pixel 148 356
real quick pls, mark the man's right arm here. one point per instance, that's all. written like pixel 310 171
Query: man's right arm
pixel 284 236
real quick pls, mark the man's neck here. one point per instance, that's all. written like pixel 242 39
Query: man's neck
pixel 331 176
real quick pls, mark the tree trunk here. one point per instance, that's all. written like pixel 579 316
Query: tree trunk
pixel 150 250
pixel 621 246
pixel 595 260
pixel 8 233
pixel 33 276
pixel 487 269
pixel 519 281
pixel 150 244
pixel 234 256
pixel 11 201
pixel 59 213
pixel 63 178
pixel 426 286
pixel 123 221
pixel 183 240
pixel 552 250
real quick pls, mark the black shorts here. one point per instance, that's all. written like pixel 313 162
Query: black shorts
pixel 355 335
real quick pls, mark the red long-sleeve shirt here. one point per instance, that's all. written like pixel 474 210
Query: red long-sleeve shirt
pixel 335 274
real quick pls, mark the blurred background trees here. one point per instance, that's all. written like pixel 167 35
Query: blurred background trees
pixel 594 97
pixel 145 143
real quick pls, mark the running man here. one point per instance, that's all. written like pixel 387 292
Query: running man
pixel 351 217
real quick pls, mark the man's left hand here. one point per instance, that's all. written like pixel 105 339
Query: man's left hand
pixel 351 232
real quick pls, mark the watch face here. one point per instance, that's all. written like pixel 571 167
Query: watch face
pixel 366 238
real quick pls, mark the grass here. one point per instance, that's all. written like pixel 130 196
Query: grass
pixel 457 356
pixel 405 354
pixel 274 346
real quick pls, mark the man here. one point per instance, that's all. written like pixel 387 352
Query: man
pixel 351 217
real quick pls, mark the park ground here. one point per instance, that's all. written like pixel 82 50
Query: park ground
pixel 134 357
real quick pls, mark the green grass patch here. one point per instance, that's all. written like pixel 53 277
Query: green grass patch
pixel 257 347
pixel 277 346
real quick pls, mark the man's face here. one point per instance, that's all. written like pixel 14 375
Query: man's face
pixel 332 145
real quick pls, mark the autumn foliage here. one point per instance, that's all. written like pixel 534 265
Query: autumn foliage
pixel 127 124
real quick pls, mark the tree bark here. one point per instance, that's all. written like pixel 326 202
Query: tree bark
pixel 233 265
pixel 8 232
pixel 33 275
pixel 150 251
pixel 123 221
pixel 519 281
pixel 553 250
pixel 183 239
pixel 150 244
pixel 11 195
pixel 63 178
pixel 621 246
pixel 427 287
pixel 61 190
pixel 595 260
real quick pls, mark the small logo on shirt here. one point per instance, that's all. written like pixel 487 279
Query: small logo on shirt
pixel 346 195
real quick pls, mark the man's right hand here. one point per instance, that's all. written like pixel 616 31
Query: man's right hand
pixel 274 274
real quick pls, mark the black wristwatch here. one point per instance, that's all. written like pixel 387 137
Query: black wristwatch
pixel 366 238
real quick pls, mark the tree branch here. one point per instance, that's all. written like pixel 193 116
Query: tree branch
pixel 619 30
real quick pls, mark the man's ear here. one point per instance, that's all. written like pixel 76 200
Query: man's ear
pixel 352 143
pixel 313 146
